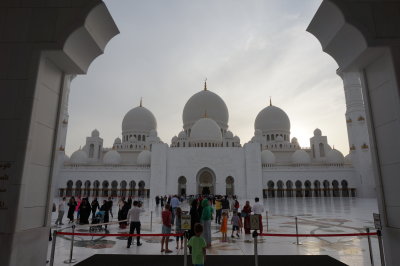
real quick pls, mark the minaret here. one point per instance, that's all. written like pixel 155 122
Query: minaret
pixel 358 133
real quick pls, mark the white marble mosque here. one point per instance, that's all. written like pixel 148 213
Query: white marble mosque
pixel 206 157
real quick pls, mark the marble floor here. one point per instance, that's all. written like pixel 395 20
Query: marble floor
pixel 315 215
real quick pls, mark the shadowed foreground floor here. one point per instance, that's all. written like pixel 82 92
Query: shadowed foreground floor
pixel 216 260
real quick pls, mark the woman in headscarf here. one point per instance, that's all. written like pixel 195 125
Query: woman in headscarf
pixel 71 209
pixel 194 217
pixel 84 210
pixel 246 211
pixel 205 219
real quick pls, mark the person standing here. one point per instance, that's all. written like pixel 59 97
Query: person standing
pixel 236 224
pixel 166 228
pixel 178 227
pixel 205 220
pixel 84 210
pixel 105 208
pixel 71 209
pixel 94 206
pixel 258 209
pixel 218 210
pixel 198 246
pixel 246 211
pixel 194 217
pixel 174 204
pixel 61 210
pixel 225 204
pixel 134 219
pixel 157 200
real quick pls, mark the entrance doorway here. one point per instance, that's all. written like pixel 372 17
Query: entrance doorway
pixel 206 181
pixel 182 186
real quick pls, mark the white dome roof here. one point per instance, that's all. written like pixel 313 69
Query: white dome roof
pixel 174 139
pixel 206 129
pixel 182 135
pixel 317 132
pixel 267 157
pixel 112 157
pixel 300 157
pixel 347 159
pixel 272 118
pixel 144 158
pixel 153 133
pixel 228 135
pixel 334 157
pixel 205 102
pixel 95 133
pixel 117 141
pixel 139 119
pixel 257 132
pixel 79 157
pixel 236 139
pixel 66 158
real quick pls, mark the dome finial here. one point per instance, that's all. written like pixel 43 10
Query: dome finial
pixel 141 102
pixel 205 84
pixel 270 101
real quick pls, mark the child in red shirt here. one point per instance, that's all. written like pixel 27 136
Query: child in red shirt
pixel 166 228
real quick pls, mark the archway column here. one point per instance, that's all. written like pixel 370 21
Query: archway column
pixel 362 37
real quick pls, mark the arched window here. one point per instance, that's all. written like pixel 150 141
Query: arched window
pixel 132 186
pixel 69 188
pixel 114 188
pixel 141 189
pixel 123 185
pixel 177 144
pixel 327 191
pixel 144 138
pixel 335 185
pixel 183 144
pixel 78 188
pixel 96 185
pixel 182 185
pixel 345 188
pixel 86 192
pixel 280 193
pixel 271 190
pixel 139 137
pixel 91 150
pixel 131 146
pixel 289 188
pixel 317 188
pixel 230 191
pixel 299 188
pixel 321 150
pixel 272 137
pixel 307 192
pixel 105 188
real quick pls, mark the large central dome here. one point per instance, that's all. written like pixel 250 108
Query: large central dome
pixel 205 102
pixel 272 119
pixel 139 119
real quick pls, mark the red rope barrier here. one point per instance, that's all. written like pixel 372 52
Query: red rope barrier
pixel 92 234
pixel 319 235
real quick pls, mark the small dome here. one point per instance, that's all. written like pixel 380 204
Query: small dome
pixel 95 133
pixel 257 132
pixel 300 157
pixel 334 157
pixel 205 101
pixel 236 139
pixel 272 118
pixel 317 132
pixel 206 129
pixel 144 158
pixel 182 135
pixel 117 141
pixel 228 135
pixel 112 157
pixel 294 141
pixel 174 139
pixel 279 138
pixel 139 119
pixel 79 157
pixel 267 157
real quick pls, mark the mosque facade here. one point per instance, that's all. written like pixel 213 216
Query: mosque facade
pixel 207 158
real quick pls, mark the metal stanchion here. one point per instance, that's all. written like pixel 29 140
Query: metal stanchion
pixel 53 248
pixel 71 260
pixel 371 256
pixel 185 249
pixel 297 233
pixel 379 233
pixel 255 235
pixel 266 219
pixel 151 221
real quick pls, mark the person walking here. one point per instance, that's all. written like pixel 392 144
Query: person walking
pixel 258 209
pixel 166 228
pixel 105 208
pixel 225 204
pixel 198 246
pixel 218 210
pixel 134 219
pixel 174 204
pixel 246 211
pixel 61 210
pixel 157 200
pixel 178 227
pixel 205 220
pixel 84 210
pixel 236 224
pixel 224 227
pixel 71 209
pixel 94 206
pixel 194 217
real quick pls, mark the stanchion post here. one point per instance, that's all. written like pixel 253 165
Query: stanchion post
pixel 185 249
pixel 53 248
pixel 297 232
pixel 379 233
pixel 266 219
pixel 371 256
pixel 151 221
pixel 71 260
pixel 255 235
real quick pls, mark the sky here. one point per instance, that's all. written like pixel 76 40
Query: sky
pixel 248 51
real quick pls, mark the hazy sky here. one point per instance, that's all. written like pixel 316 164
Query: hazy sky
pixel 248 50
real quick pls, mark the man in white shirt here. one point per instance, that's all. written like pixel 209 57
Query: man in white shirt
pixel 258 209
pixel 174 204
pixel 134 219
pixel 61 210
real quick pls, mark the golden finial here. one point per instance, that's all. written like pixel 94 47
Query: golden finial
pixel 141 101
pixel 205 84
pixel 270 101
